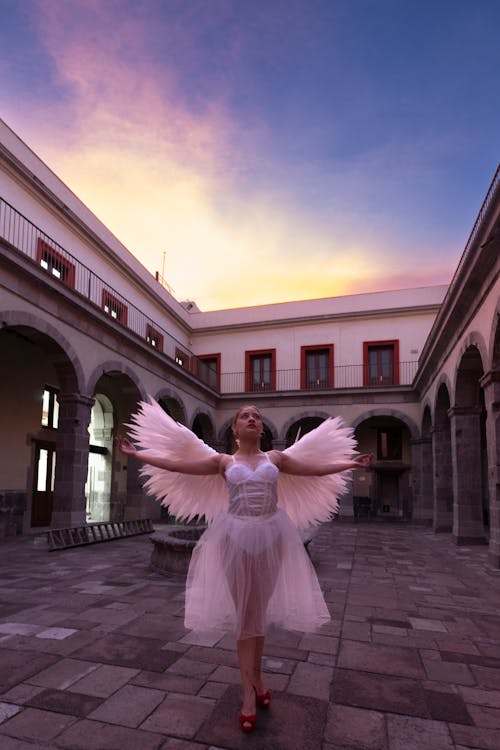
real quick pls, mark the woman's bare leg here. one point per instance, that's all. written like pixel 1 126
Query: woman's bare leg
pixel 246 648
pixel 257 664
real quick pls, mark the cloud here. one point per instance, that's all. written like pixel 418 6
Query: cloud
pixel 238 227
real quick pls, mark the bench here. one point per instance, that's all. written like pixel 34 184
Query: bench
pixel 77 536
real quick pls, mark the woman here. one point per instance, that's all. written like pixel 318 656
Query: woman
pixel 249 568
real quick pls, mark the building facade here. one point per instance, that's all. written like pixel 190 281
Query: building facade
pixel 86 332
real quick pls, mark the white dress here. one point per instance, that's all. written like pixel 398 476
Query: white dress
pixel 250 568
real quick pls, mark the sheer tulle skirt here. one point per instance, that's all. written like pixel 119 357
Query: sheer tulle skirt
pixel 248 572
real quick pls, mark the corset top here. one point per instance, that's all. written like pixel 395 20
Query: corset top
pixel 252 492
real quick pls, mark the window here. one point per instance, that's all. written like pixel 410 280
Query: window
pixel 182 359
pixel 316 367
pixel 154 338
pixel 389 444
pixel 113 307
pixel 208 366
pixel 380 363
pixel 260 370
pixel 55 263
pixel 50 408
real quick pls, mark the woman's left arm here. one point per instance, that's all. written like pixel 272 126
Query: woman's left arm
pixel 290 465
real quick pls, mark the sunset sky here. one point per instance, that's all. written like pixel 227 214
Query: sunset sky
pixel 265 150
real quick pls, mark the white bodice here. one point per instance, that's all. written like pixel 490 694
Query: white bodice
pixel 252 492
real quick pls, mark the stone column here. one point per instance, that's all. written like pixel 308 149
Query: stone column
pixel 491 388
pixel 443 487
pixel 468 526
pixel 72 453
pixel 422 476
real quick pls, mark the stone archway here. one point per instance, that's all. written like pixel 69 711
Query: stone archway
pixel 203 428
pixel 44 455
pixel 468 441
pixel 99 477
pixel 442 463
pixel 490 384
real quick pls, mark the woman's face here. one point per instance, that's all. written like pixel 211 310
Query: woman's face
pixel 247 420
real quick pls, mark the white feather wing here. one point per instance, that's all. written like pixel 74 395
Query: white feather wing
pixel 313 499
pixel 185 495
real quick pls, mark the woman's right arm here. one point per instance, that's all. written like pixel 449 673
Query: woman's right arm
pixel 211 465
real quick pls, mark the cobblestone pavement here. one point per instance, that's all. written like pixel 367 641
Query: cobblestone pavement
pixel 94 655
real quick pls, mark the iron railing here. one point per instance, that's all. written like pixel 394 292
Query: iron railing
pixel 343 376
pixel 30 240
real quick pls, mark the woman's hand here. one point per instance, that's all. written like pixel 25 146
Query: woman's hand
pixel 125 446
pixel 364 461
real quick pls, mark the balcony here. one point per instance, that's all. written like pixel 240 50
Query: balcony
pixel 26 238
pixel 344 377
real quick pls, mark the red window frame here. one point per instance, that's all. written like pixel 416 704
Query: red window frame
pixel 182 358
pixel 329 381
pixel 154 338
pixel 250 355
pixel 369 346
pixel 204 357
pixel 115 305
pixel 55 262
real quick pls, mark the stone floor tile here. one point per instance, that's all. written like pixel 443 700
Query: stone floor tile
pixel 475 737
pixel 64 702
pixel 311 680
pixel 7 710
pixel 21 693
pixel 127 651
pixel 19 628
pixel 378 692
pixel 447 706
pixel 58 634
pixel 103 681
pixel 202 639
pixel 420 623
pixel 355 727
pixel 33 724
pixel 179 715
pixel 371 657
pixel 408 733
pixel 93 735
pixel 191 668
pixel 129 706
pixel 63 673
pixel 446 671
pixel 483 716
pixel 486 677
pixel 480 697
pixel 169 682
pixel 320 643
pixel 213 690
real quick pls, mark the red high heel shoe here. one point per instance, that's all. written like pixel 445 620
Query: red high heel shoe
pixel 264 699
pixel 247 722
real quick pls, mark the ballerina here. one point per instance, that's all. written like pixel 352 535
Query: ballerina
pixel 250 568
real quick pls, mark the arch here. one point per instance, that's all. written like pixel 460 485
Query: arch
pixel 65 359
pixel 395 413
pixel 470 368
pixel 114 366
pixel 315 414
pixel 203 427
pixel 172 404
pixel 426 422
pixel 495 340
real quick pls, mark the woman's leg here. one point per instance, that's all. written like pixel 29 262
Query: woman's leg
pixel 257 664
pixel 246 648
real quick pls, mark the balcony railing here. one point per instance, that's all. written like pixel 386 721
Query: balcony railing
pixel 30 240
pixel 344 376
pixel 47 254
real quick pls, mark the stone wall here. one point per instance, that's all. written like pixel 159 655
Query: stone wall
pixel 12 509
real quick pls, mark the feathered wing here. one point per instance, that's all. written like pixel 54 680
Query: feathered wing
pixel 312 500
pixel 185 495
